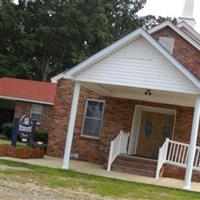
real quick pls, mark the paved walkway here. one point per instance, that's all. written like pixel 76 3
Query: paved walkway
pixel 95 169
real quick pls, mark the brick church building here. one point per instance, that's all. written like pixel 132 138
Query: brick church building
pixel 135 105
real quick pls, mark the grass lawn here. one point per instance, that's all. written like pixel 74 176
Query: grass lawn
pixel 8 142
pixel 58 178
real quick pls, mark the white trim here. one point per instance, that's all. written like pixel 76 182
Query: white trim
pixel 101 120
pixel 122 42
pixel 195 91
pixel 26 100
pixel 55 79
pixel 97 87
pixel 177 30
pixel 172 98
pixel 189 28
pixel 132 147
pixel 166 98
pixel 137 116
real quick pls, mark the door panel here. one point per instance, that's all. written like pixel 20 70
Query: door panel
pixel 154 129
pixel 165 129
pixel 147 134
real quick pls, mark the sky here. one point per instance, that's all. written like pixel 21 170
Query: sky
pixel 171 8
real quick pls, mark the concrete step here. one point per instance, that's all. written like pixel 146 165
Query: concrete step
pixel 133 170
pixel 135 165
pixel 137 159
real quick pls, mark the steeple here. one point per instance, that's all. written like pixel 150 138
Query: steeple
pixel 187 15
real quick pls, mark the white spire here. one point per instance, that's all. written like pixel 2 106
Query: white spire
pixel 187 15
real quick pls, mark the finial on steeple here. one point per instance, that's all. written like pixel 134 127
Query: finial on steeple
pixel 187 15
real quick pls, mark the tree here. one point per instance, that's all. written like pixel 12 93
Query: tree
pixel 63 33
pixel 39 39
pixel 11 51
pixel 150 21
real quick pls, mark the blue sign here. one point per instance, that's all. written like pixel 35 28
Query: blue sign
pixel 25 124
pixel 23 127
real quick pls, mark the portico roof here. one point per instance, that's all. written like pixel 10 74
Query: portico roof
pixel 76 71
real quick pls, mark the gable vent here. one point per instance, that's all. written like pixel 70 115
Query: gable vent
pixel 167 43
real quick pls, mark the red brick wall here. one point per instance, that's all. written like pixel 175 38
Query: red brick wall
pixel 184 52
pixel 172 171
pixel 60 117
pixel 118 116
pixel 23 108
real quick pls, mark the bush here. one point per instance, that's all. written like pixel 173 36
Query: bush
pixel 35 145
pixel 41 135
pixel 7 130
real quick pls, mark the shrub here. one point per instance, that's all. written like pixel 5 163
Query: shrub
pixel 7 130
pixel 35 145
pixel 41 135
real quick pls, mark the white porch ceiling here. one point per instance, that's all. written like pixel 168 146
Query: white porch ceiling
pixel 157 96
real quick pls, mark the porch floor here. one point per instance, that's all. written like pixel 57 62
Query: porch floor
pixel 96 169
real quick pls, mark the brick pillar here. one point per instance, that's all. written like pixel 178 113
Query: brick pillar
pixel 61 111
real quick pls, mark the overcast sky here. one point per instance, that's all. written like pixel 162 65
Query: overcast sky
pixel 171 8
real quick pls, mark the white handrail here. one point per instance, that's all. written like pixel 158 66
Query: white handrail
pixel 118 146
pixel 162 157
pixel 176 153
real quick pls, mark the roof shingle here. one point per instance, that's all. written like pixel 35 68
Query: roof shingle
pixel 27 90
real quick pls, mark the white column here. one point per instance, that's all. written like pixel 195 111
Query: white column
pixel 71 126
pixel 192 146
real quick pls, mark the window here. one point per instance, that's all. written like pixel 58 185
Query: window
pixel 168 43
pixel 36 112
pixel 93 118
pixel 148 127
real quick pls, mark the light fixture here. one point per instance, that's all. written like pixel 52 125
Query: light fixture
pixel 148 92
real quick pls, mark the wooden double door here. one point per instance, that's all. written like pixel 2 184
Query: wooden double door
pixel 154 129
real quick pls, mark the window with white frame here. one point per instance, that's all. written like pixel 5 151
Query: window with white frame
pixel 36 112
pixel 93 118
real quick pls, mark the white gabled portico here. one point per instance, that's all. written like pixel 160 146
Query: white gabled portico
pixel 128 69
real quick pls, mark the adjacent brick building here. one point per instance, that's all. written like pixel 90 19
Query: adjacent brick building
pixel 20 97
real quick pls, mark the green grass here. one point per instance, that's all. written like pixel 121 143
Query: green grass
pixel 58 178
pixel 8 142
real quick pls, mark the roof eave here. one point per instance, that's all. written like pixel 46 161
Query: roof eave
pixel 159 47
pixel 26 100
pixel 177 30
pixel 122 42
